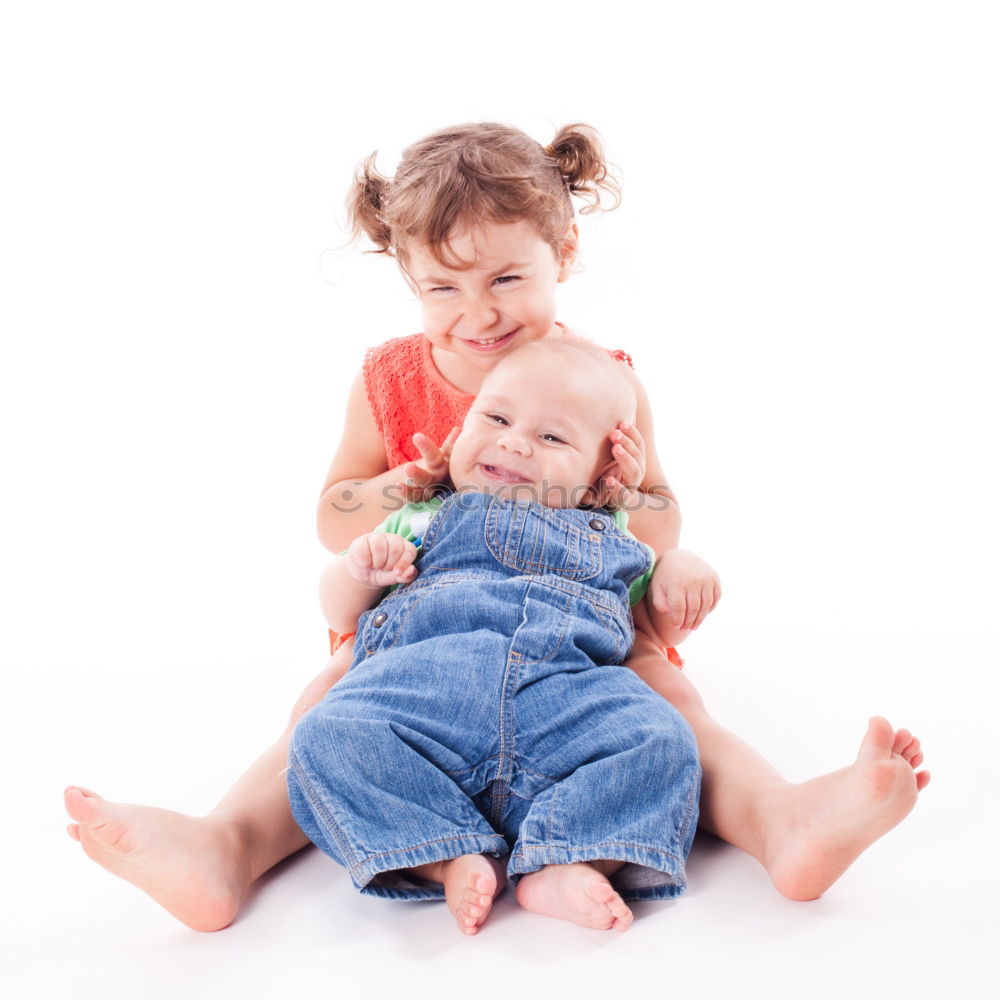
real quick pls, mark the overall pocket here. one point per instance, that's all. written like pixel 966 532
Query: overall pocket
pixel 535 541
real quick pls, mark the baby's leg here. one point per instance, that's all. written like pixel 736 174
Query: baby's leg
pixel 370 785
pixel 471 883
pixel 200 867
pixel 806 835
pixel 579 892
pixel 623 801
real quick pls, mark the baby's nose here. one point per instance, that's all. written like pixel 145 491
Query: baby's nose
pixel 516 443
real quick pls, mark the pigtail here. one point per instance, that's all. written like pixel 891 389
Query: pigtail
pixel 579 155
pixel 366 204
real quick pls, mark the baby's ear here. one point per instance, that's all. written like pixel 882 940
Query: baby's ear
pixel 591 495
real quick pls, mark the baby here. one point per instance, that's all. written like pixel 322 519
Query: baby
pixel 486 714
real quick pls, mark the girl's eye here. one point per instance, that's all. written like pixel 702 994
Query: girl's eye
pixel 508 278
pixel 443 288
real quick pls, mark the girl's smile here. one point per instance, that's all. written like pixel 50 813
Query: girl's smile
pixel 473 316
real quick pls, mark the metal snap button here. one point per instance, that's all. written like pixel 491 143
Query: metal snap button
pixel 379 620
pixel 597 525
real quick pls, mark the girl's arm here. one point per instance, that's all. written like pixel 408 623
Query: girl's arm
pixel 684 588
pixel 654 516
pixel 354 497
pixel 360 491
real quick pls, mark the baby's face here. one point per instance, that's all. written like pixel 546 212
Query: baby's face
pixel 537 431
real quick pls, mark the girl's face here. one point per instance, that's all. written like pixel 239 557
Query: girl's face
pixel 507 298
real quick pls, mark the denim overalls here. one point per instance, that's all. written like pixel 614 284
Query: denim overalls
pixel 486 712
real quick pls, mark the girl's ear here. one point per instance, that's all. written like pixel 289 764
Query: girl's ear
pixel 567 252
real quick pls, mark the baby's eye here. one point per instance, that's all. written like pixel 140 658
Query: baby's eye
pixel 552 439
pixel 496 418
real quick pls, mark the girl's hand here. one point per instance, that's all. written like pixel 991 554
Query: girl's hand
pixel 432 469
pixel 685 588
pixel 380 559
pixel 624 474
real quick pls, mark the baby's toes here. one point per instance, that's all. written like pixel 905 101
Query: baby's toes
pixel 901 741
pixel 470 916
pixel 601 913
pixel 600 891
pixel 482 885
pixel 621 914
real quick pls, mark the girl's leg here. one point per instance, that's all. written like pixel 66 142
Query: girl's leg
pixel 805 835
pixel 200 867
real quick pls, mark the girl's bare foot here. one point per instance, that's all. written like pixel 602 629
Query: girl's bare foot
pixel 195 867
pixel 576 892
pixel 814 831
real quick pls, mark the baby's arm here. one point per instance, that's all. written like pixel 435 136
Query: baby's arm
pixel 353 582
pixel 360 490
pixel 682 591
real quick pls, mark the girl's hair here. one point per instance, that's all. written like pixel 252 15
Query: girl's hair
pixel 480 173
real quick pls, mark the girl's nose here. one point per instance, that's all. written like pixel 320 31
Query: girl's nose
pixel 481 316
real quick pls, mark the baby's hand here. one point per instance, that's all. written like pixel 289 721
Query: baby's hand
pixel 380 559
pixel 685 588
pixel 431 470
pixel 624 474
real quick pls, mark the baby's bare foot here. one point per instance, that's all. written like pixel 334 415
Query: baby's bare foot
pixel 195 867
pixel 471 883
pixel 815 831
pixel 576 892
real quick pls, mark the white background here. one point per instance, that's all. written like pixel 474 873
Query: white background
pixel 805 270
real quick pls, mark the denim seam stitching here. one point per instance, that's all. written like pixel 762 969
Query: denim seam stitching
pixel 416 847
pixel 579 848
pixel 682 833
pixel 500 803
pixel 470 770
pixel 323 809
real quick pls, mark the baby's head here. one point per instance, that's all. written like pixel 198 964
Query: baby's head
pixel 461 178
pixel 540 427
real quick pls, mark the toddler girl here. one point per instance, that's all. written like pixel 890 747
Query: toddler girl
pixel 480 219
